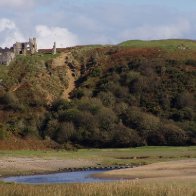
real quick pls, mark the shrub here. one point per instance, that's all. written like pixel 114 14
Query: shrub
pixel 86 121
pixel 11 101
pixel 156 138
pixel 174 136
pixel 107 119
pixel 92 105
pixel 182 100
pixel 136 86
pixel 121 108
pixel 190 62
pixel 107 98
pixel 65 132
pixel 29 131
pixel 141 121
pixel 51 128
pixel 3 133
pixel 61 104
pixel 96 72
pixel 71 115
pixel 127 78
pixel 125 137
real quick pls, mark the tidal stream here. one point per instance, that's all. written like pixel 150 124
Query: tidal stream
pixel 56 178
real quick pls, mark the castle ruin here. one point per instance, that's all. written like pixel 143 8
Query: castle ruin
pixel 19 48
pixel 25 47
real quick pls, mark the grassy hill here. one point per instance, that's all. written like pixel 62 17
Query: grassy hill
pixel 133 94
pixel 170 44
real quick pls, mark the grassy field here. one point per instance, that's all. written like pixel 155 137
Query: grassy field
pixel 142 155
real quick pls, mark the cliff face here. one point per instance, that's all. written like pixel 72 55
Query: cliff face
pixel 116 96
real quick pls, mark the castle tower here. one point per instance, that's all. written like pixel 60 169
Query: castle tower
pixel 17 48
pixel 54 49
pixel 33 45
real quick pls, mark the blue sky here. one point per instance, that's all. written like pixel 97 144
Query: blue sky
pixel 74 22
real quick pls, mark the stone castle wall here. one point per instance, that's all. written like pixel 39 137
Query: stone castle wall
pixel 8 54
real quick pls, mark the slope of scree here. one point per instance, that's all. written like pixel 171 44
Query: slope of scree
pixel 63 60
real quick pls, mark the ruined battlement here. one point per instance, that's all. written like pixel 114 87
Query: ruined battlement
pixel 25 47
pixel 19 48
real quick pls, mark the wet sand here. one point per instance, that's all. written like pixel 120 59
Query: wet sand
pixel 172 170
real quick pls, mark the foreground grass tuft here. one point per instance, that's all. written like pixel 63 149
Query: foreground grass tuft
pixel 133 188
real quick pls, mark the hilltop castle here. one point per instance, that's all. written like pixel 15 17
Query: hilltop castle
pixel 23 48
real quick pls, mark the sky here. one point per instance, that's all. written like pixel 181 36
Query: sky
pixel 81 22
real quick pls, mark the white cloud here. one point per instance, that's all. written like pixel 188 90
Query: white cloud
pixel 46 36
pixel 6 24
pixel 9 33
pixel 148 32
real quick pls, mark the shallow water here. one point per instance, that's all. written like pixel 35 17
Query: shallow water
pixel 65 177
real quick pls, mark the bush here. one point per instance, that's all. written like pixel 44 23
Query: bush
pixel 96 72
pixel 107 119
pixel 51 128
pixel 86 121
pixel 174 136
pixel 136 85
pixel 71 115
pixel 107 99
pixel 3 133
pixel 11 101
pixel 29 131
pixel 65 133
pixel 125 137
pixel 127 78
pixel 156 138
pixel 183 100
pixel 141 121
pixel 92 105
pixel 60 104
pixel 182 115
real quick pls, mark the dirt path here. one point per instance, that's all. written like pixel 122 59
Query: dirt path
pixel 61 61
pixel 71 85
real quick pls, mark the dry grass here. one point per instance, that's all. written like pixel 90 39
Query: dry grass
pixel 125 188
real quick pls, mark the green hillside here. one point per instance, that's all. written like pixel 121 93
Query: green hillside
pixel 170 44
pixel 141 94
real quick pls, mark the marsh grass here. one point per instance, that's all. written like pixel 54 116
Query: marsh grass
pixel 124 188
pixel 112 156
